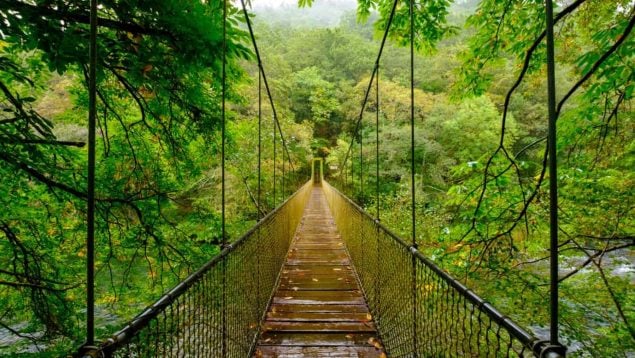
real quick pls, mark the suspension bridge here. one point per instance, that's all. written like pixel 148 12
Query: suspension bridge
pixel 319 276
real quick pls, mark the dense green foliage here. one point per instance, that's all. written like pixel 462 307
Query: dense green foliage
pixel 482 192
pixel 158 156
pixel 480 124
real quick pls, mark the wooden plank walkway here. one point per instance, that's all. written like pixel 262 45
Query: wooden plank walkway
pixel 318 309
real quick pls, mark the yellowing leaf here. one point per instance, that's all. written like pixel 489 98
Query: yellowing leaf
pixel 455 248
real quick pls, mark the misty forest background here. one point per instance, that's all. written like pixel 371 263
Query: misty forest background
pixel 158 155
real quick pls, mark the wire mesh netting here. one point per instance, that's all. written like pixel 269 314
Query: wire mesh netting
pixel 419 309
pixel 217 310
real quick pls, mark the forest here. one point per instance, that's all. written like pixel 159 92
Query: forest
pixel 480 160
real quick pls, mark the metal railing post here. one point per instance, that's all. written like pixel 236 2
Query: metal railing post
pixel 90 234
pixel 553 180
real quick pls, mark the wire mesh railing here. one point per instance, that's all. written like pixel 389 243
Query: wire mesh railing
pixel 419 309
pixel 217 310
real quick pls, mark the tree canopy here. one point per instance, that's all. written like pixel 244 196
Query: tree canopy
pixel 480 156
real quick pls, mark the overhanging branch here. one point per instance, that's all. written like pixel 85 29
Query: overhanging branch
pixel 36 12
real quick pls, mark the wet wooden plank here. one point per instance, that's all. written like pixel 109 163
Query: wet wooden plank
pixel 301 252
pixel 318 286
pixel 344 315
pixel 326 279
pixel 275 308
pixel 316 282
pixel 318 339
pixel 317 270
pixel 313 326
pixel 318 309
pixel 317 246
pixel 321 256
pixel 319 297
pixel 317 261
pixel 319 237
pixel 326 352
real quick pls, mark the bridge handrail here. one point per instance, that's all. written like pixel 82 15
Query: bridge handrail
pixel 122 336
pixel 541 348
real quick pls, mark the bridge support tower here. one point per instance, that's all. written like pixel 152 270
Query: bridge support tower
pixel 317 170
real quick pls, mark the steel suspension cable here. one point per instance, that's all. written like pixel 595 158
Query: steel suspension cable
pixel 377 275
pixel 412 180
pixel 90 235
pixel 412 125
pixel 361 187
pixel 259 145
pixel 258 299
pixel 266 83
pixel 352 172
pixel 370 83
pixel 223 118
pixel 343 181
pixel 224 236
pixel 274 162
pixel 377 141
pixel 361 164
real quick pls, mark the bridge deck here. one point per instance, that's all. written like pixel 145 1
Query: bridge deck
pixel 318 309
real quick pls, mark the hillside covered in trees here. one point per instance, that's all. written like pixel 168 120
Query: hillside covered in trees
pixel 480 156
